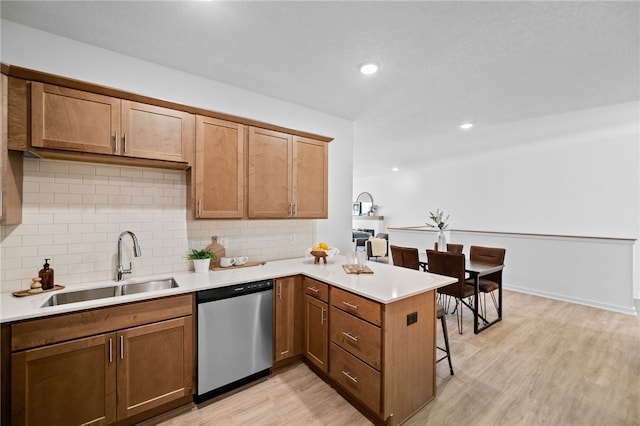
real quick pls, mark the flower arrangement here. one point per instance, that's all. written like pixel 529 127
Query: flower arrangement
pixel 437 220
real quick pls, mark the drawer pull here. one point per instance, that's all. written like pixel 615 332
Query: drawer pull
pixel 350 305
pixel 350 336
pixel 353 379
pixel 313 289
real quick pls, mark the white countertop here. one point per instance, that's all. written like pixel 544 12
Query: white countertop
pixel 387 284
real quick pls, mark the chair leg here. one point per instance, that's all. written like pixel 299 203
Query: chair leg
pixel 459 315
pixel 495 302
pixel 445 334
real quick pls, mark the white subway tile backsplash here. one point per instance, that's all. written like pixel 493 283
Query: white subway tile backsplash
pixel 74 212
pixel 108 171
pixel 82 168
pixel 67 178
pixel 58 167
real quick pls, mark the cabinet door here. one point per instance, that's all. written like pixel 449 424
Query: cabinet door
pixel 270 174
pixel 10 167
pixel 219 169
pixel 65 383
pixel 284 318
pixel 156 133
pixel 310 178
pixel 316 338
pixel 155 365
pixel 73 120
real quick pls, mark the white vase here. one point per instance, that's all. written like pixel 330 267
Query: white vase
pixel 201 265
pixel 442 241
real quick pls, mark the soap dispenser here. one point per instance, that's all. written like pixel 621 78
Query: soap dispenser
pixel 46 274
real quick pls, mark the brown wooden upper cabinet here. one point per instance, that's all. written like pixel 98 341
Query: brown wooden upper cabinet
pixel 288 175
pixel 219 169
pixel 10 167
pixel 75 120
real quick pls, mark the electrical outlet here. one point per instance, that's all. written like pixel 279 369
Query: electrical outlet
pixel 223 241
pixel 190 245
pixel 292 239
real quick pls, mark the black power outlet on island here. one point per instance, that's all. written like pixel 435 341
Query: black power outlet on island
pixel 412 318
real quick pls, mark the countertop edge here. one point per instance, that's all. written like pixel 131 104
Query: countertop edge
pixel 366 285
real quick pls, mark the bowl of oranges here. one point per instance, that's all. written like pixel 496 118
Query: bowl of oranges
pixel 322 247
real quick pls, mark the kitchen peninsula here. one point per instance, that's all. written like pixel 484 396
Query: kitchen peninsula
pixel 389 380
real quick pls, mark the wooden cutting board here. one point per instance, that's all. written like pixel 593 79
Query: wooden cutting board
pixel 216 249
pixel 220 268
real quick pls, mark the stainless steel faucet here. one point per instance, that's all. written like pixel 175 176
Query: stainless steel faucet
pixel 120 271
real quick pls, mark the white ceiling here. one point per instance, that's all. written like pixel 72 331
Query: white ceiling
pixel 441 63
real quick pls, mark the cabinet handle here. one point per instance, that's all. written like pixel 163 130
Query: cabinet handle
pixel 110 350
pixel 199 207
pixel 322 316
pixel 350 336
pixel 347 373
pixel 293 209
pixel 313 289
pixel 115 143
pixel 280 290
pixel 350 305
pixel 124 142
pixel 121 347
pixel 290 210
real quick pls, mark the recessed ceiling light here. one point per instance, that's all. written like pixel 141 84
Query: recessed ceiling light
pixel 368 68
pixel 466 126
pixel 395 169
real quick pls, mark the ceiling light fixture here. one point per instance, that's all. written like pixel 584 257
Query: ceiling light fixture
pixel 368 68
pixel 395 169
pixel 466 126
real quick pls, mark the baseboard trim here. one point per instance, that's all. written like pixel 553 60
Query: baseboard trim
pixel 631 310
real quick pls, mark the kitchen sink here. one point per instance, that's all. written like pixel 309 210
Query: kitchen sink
pixel 145 286
pixel 82 295
pixel 110 291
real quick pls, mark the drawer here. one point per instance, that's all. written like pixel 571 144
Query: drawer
pixel 355 377
pixel 356 336
pixel 356 305
pixel 317 289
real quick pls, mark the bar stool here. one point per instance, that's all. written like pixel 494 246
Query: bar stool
pixel 446 349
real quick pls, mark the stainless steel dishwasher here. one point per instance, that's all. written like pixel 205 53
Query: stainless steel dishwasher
pixel 235 329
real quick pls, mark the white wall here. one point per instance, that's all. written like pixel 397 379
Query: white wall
pixel 29 48
pixel 578 176
pixel 596 272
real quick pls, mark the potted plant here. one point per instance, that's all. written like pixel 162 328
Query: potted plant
pixel 201 259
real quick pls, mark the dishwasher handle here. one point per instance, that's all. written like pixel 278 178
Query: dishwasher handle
pixel 235 290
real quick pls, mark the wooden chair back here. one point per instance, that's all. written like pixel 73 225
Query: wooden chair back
pixel 490 256
pixel 451 265
pixel 451 248
pixel 406 257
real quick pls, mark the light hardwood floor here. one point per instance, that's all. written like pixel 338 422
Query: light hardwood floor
pixel 546 363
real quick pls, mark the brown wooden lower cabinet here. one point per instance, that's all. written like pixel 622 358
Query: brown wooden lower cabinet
pixel 316 340
pixel 106 377
pixel 67 383
pixel 153 365
pixel 287 329
pixel 356 377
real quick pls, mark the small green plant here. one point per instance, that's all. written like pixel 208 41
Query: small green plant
pixel 201 254
pixel 437 220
